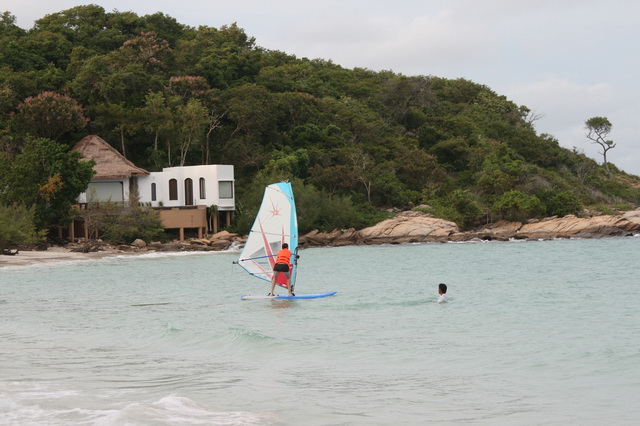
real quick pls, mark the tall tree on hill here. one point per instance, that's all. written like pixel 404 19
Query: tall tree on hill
pixel 49 115
pixel 598 128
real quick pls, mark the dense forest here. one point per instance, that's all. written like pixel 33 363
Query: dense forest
pixel 354 142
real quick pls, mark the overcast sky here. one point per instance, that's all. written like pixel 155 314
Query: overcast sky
pixel 567 60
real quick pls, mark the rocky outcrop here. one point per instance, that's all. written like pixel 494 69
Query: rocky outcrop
pixel 409 227
pixel 571 226
pixel 560 227
pixel 335 238
pixel 217 242
pixel 406 227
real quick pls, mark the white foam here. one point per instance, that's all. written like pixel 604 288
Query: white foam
pixel 169 410
pixel 180 410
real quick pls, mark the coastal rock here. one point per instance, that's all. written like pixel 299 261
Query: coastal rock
pixel 572 226
pixel 219 245
pixel 138 243
pixel 408 227
pixel 632 216
pixel 335 238
pixel 414 226
pixel 222 235
pixel 499 231
pixel 88 247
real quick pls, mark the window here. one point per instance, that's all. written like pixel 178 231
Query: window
pixel 153 192
pixel 173 189
pixel 203 193
pixel 188 192
pixel 225 189
pixel 110 192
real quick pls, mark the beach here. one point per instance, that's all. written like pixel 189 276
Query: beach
pixel 51 255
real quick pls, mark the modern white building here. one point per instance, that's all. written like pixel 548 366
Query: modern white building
pixel 181 194
pixel 189 186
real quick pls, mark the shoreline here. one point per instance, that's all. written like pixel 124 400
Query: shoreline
pixel 50 256
pixel 57 254
pixel 404 228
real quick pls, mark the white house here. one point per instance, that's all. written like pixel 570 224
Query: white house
pixel 189 186
pixel 181 194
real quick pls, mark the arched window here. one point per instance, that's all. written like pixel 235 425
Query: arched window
pixel 188 192
pixel 173 189
pixel 203 193
pixel 153 192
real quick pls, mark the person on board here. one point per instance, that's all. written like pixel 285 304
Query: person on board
pixel 442 291
pixel 282 266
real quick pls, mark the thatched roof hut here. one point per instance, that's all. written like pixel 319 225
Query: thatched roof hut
pixel 110 164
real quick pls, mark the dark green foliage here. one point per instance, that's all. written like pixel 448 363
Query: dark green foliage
pixel 458 206
pixel 317 211
pixel 46 176
pixel 563 203
pixel 167 94
pixel 517 206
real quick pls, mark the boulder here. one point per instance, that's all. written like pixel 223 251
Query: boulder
pixel 408 227
pixel 500 231
pixel 220 245
pixel 223 235
pixel 336 238
pixel 138 243
pixel 571 226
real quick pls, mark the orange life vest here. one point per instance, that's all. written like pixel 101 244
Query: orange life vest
pixel 283 256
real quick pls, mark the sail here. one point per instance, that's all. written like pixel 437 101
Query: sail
pixel 275 224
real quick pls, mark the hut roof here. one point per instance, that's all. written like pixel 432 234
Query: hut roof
pixel 110 164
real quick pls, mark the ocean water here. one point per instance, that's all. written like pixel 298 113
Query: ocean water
pixel 535 333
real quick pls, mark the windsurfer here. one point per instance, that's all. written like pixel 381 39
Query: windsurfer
pixel 282 266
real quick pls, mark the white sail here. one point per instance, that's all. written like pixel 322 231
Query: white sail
pixel 275 224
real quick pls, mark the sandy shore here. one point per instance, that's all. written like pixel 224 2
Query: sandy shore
pixel 53 254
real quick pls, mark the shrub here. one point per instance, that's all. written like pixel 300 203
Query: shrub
pixel 517 206
pixel 122 225
pixel 17 226
pixel 459 207
pixel 563 203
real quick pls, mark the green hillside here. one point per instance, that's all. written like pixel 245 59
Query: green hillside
pixel 355 142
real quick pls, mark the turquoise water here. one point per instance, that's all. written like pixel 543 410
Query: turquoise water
pixel 535 333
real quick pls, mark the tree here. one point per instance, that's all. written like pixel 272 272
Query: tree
pixel 192 120
pixel 157 119
pixel 146 49
pixel 517 206
pixel 598 128
pixel 45 176
pixel 49 115
pixel 563 203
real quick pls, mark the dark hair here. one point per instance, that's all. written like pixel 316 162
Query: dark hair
pixel 285 245
pixel 442 287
